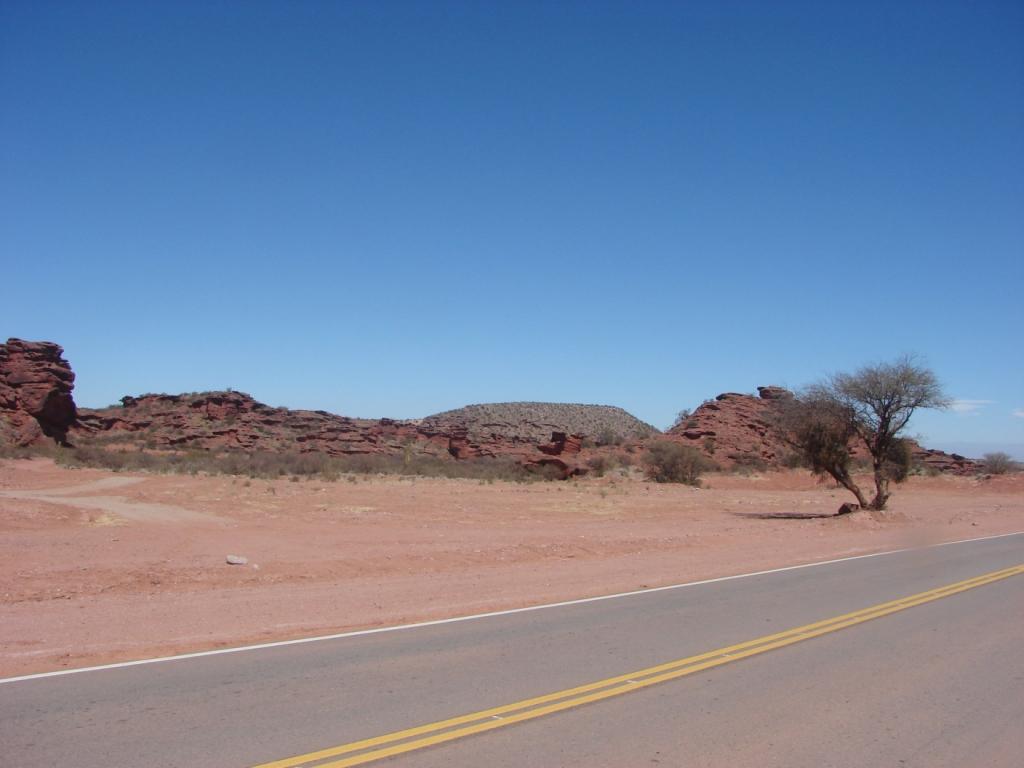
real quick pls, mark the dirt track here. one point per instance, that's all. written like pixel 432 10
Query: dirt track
pixel 97 566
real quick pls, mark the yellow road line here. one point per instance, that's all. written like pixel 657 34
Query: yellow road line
pixel 430 734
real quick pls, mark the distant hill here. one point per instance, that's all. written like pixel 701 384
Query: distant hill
pixel 534 422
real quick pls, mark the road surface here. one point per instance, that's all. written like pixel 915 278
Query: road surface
pixel 937 683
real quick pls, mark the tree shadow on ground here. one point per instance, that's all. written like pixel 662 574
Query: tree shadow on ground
pixel 787 515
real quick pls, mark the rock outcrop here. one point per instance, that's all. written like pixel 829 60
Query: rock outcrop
pixel 235 420
pixel 738 430
pixel 946 463
pixel 36 383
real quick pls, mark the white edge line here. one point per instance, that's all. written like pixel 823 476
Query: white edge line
pixel 472 617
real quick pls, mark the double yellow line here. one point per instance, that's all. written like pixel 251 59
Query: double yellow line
pixel 398 742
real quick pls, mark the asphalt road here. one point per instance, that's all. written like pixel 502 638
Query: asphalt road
pixel 937 684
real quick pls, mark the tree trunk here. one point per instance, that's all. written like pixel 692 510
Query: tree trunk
pixel 881 488
pixel 844 479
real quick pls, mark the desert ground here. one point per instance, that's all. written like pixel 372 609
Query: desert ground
pixel 98 566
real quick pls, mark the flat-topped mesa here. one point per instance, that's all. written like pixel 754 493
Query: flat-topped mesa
pixel 533 423
pixel 36 383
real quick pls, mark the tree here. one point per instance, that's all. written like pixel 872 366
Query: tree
pixel 872 407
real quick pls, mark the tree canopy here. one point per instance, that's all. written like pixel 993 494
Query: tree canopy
pixel 872 407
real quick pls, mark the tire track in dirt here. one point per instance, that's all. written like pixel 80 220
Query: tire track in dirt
pixel 119 506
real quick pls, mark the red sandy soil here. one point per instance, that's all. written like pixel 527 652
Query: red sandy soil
pixel 98 566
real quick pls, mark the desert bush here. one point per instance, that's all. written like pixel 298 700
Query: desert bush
pixel 681 418
pixel 922 469
pixel 8 451
pixel 998 463
pixel 599 465
pixel 608 436
pixel 792 460
pixel 671 462
pixel 748 463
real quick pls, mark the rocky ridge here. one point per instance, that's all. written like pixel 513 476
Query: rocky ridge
pixel 236 421
pixel 36 403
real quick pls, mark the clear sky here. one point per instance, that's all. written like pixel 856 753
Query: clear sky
pixel 392 209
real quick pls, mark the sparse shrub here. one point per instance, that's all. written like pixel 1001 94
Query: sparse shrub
pixel 927 470
pixel 671 462
pixel 748 463
pixel 709 446
pixel 792 460
pixel 599 465
pixel 998 463
pixel 608 436
pixel 8 451
pixel 681 418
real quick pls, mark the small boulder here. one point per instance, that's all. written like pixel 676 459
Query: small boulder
pixel 237 560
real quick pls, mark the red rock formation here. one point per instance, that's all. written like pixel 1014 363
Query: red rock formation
pixel 234 420
pixel 561 444
pixel 226 420
pixel 35 393
pixel 35 401
pixel 735 429
pixel 940 461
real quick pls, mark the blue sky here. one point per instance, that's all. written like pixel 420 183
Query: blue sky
pixel 399 208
